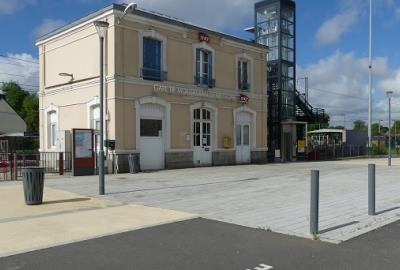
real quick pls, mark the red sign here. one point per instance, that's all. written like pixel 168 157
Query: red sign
pixel 204 38
pixel 4 166
pixel 244 99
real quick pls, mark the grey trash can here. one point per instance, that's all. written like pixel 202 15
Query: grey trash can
pixel 33 182
pixel 134 166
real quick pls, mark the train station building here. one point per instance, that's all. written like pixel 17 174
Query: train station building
pixel 175 94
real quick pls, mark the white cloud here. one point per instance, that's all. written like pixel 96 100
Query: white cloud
pixel 391 83
pixel 331 30
pixel 24 71
pixel 335 27
pixel 11 6
pixel 397 12
pixel 47 26
pixel 339 83
pixel 221 14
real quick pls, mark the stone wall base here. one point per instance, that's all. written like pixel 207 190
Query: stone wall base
pixel 179 160
pixel 259 157
pixel 224 158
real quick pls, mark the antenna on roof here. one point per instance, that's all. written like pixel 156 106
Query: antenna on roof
pixel 129 8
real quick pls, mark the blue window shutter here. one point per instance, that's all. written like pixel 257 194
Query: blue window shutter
pixel 151 59
pixel 210 69
pixel 197 80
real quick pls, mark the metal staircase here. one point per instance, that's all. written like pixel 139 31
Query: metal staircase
pixel 307 113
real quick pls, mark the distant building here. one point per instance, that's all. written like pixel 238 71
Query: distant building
pixel 10 121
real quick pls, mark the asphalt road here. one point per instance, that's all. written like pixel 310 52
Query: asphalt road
pixel 201 244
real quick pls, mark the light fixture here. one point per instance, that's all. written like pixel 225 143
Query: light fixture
pixel 101 27
pixel 64 74
pixel 130 7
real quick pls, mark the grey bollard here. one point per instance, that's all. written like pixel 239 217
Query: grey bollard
pixel 33 183
pixel 314 207
pixel 371 190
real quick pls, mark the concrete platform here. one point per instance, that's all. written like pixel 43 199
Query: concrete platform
pixel 67 217
pixel 272 197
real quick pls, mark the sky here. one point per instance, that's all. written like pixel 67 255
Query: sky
pixel 332 44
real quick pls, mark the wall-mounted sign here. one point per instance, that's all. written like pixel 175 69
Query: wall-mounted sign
pixel 203 37
pixel 244 99
pixel 192 92
pixel 301 146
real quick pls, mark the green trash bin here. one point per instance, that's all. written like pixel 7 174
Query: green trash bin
pixel 33 182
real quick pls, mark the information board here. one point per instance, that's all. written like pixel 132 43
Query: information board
pixel 83 152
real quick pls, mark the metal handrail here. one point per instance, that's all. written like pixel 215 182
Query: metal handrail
pixel 153 74
pixel 245 86
pixel 204 81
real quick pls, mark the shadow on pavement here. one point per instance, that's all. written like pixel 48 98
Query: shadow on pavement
pixel 67 201
pixel 387 210
pixel 338 227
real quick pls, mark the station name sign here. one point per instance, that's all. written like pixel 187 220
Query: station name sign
pixel 191 92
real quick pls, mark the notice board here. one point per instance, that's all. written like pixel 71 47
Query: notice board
pixel 83 152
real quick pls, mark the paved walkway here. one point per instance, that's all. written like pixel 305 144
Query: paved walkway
pixel 67 217
pixel 273 197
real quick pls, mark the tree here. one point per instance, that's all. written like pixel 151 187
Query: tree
pixel 312 127
pixel 359 125
pixel 26 105
pixel 14 96
pixel 395 127
pixel 30 108
pixel 375 129
pixel 338 127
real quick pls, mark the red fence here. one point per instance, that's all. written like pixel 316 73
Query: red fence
pixel 53 162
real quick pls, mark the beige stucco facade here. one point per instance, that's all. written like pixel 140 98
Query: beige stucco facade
pixel 131 99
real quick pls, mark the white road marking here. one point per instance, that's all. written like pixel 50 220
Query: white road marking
pixel 261 267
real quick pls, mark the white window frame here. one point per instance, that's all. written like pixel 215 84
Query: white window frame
pixel 203 46
pixel 95 102
pixel 203 61
pixel 250 71
pixel 241 63
pixel 214 121
pixel 51 127
pixel 253 125
pixel 157 36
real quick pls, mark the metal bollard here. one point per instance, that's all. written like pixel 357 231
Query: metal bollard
pixel 61 163
pixel 314 207
pixel 371 190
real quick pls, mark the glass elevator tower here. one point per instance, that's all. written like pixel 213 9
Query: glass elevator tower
pixel 275 26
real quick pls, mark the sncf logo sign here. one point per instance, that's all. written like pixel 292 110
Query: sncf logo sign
pixel 204 38
pixel 244 99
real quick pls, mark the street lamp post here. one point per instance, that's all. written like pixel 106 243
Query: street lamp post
pixel 379 135
pixel 101 27
pixel 389 95
pixel 370 79
pixel 395 135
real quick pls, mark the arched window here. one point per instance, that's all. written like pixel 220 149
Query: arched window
pixel 52 129
pixel 244 67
